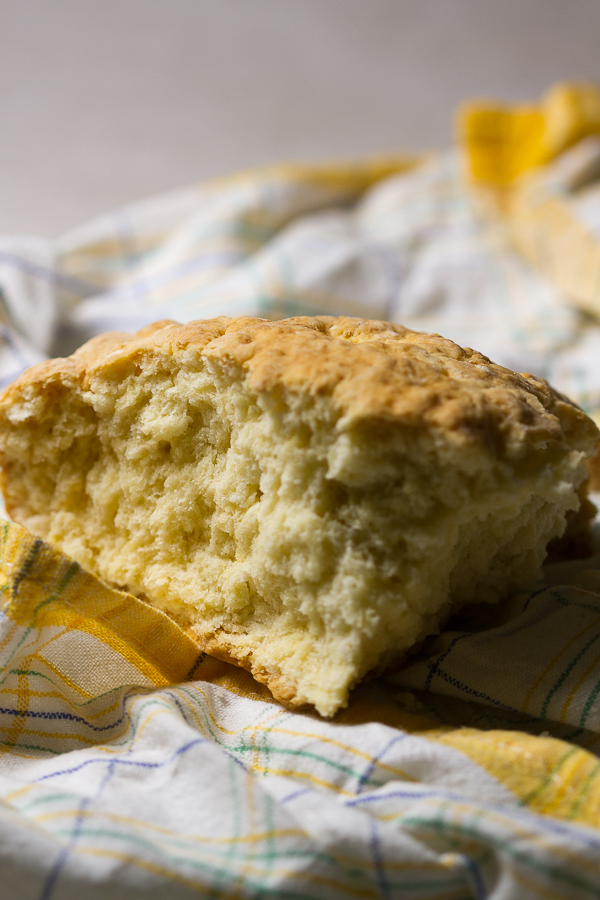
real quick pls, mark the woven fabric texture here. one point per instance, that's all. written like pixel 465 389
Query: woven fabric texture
pixel 135 766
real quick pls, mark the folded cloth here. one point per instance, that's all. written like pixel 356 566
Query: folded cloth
pixel 132 765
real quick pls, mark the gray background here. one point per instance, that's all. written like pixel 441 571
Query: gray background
pixel 107 101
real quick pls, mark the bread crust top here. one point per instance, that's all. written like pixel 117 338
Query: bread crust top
pixel 373 371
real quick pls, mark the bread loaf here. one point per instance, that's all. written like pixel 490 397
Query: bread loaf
pixel 308 497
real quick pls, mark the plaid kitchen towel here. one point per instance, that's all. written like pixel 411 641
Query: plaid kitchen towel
pixel 132 766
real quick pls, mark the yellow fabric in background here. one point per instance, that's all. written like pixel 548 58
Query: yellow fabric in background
pixel 501 141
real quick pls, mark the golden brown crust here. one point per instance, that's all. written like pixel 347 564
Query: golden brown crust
pixel 216 644
pixel 594 470
pixel 372 370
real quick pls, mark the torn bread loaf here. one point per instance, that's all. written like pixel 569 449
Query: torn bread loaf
pixel 308 497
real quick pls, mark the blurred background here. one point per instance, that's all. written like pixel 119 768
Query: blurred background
pixel 105 103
